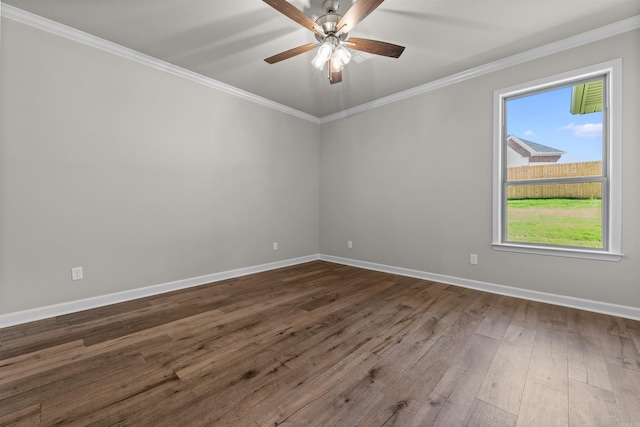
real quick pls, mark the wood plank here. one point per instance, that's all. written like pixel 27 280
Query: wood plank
pixel 626 389
pixel 584 323
pixel 591 406
pixel 504 384
pixel 211 363
pixel 482 305
pixel 45 385
pixel 485 414
pixel 526 315
pixel 58 357
pixel 428 291
pixel 343 410
pixel 222 388
pixel 498 319
pixel 633 327
pixel 417 382
pixel 326 385
pixel 412 335
pixel 13 368
pixel 553 318
pixel 587 362
pixel 620 351
pixel 140 409
pixel 452 399
pixel 27 416
pixel 391 413
pixel 543 406
pixel 344 337
pixel 90 398
pixel 549 359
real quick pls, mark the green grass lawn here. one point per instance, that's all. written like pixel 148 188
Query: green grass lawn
pixel 565 222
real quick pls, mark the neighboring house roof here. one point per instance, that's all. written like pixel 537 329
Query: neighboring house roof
pixel 534 148
pixel 531 152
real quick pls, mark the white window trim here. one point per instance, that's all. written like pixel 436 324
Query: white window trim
pixel 613 70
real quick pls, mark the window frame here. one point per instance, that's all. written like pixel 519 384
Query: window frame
pixel 611 162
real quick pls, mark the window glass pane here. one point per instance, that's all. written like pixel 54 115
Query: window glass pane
pixel 561 126
pixel 555 214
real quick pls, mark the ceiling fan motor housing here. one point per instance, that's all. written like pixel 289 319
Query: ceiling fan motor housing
pixel 329 23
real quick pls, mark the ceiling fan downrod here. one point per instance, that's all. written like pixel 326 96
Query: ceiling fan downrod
pixel 331 6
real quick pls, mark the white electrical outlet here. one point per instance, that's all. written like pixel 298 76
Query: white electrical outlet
pixel 76 273
pixel 473 259
pixel 275 246
pixel 349 244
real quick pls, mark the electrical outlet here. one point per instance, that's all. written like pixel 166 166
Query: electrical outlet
pixel 275 246
pixel 349 244
pixel 473 259
pixel 76 273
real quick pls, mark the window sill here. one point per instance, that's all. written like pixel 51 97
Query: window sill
pixel 563 252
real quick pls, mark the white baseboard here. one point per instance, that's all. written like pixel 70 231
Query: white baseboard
pixel 40 313
pixel 565 301
pixel 103 300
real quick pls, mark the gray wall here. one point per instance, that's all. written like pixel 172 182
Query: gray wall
pixel 411 185
pixel 139 176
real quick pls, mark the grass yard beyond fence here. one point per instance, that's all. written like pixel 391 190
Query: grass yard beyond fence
pixel 566 222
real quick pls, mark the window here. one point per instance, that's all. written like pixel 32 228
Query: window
pixel 557 165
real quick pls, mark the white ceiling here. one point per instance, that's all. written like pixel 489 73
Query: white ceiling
pixel 227 40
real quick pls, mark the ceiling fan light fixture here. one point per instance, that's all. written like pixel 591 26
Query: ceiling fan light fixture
pixel 325 50
pixel 343 54
pixel 335 64
pixel 318 62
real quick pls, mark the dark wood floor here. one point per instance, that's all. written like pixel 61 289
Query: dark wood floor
pixel 323 344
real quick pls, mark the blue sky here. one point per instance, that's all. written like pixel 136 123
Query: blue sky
pixel 545 118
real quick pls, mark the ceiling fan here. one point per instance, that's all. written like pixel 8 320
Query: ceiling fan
pixel 332 33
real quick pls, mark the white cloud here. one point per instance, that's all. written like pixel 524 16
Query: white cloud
pixel 587 130
pixel 529 133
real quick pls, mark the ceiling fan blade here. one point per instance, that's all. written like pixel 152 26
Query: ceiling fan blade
pixel 335 76
pixel 291 53
pixel 375 47
pixel 289 10
pixel 357 13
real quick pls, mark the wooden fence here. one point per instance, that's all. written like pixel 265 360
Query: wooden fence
pixel 555 170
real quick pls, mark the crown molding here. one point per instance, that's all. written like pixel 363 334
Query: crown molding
pixel 53 27
pixel 70 33
pixel 591 36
